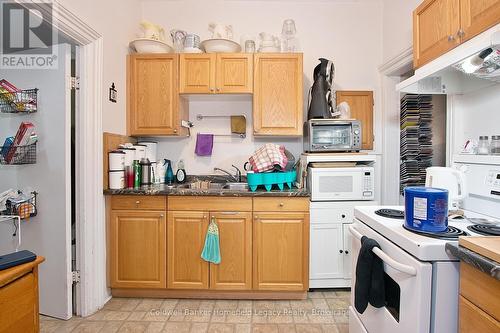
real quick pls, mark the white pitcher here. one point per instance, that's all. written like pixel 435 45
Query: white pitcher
pixel 449 179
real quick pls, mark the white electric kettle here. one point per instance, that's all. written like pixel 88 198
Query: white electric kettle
pixel 450 179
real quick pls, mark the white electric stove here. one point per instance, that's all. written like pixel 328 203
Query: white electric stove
pixel 421 278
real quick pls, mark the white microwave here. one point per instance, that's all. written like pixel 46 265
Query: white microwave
pixel 348 183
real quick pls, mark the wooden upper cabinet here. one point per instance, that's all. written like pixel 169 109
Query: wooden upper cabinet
pixel 277 99
pixel 216 73
pixel 197 73
pixel 234 73
pixel 361 105
pixel 436 24
pixel 478 15
pixel 281 251
pixel 235 270
pixel 153 98
pixel 137 249
pixel 441 25
pixel 186 238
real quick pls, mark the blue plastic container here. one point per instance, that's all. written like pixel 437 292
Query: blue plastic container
pixel 426 209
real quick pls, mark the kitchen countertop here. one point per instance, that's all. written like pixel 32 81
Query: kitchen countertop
pixel 163 189
pixel 482 263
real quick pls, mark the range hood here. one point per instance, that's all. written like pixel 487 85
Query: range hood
pixel 470 66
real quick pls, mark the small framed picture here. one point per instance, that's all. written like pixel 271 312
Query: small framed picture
pixel 112 93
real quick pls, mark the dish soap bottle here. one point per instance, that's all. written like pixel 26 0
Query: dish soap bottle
pixel 169 175
pixel 181 172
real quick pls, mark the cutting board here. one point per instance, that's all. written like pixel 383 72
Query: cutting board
pixel 488 247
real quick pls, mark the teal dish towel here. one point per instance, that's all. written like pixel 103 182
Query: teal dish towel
pixel 211 250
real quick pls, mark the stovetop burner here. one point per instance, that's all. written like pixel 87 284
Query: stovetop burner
pixel 485 229
pixel 391 213
pixel 451 233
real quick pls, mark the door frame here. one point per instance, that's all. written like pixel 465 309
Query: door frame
pixel 391 73
pixel 91 291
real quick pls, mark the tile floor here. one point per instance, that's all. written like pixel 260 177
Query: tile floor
pixel 322 312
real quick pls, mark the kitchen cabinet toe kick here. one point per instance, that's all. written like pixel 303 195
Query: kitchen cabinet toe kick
pixel 210 294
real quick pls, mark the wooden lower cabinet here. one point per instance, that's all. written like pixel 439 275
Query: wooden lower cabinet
pixel 475 320
pixel 235 270
pixel 281 251
pixel 159 251
pixel 186 238
pixel 19 298
pixel 137 249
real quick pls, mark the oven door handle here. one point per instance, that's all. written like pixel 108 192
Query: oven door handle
pixel 410 270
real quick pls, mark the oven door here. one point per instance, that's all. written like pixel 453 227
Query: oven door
pixel 327 184
pixel 331 136
pixel 408 284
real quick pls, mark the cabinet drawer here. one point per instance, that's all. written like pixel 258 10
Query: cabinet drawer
pixel 18 305
pixel 139 202
pixel 481 289
pixel 210 203
pixel 281 204
pixel 474 320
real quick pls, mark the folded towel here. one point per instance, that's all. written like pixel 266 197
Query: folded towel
pixel 267 157
pixel 238 124
pixel 204 144
pixel 211 250
pixel 369 286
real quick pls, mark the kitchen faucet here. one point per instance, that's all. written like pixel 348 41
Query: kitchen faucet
pixel 236 178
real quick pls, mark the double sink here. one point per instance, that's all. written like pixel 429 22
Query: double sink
pixel 228 186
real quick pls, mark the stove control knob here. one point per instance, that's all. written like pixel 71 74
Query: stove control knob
pixel 356 132
pixel 346 252
pixel 341 251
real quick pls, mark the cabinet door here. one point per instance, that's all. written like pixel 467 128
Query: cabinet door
pixel 277 98
pixel 347 259
pixel 435 27
pixel 186 238
pixel 477 16
pixel 235 270
pixel 153 96
pixel 326 251
pixel 281 251
pixel 361 105
pixel 137 249
pixel 197 73
pixel 234 73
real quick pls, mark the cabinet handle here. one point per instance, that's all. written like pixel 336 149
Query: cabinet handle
pixel 137 202
pixel 281 204
pixel 212 89
pixel 461 33
pixel 451 38
pixel 161 215
pixel 256 217
pixel 340 251
pixel 175 130
pixel 218 89
pixel 229 213
pixel 204 216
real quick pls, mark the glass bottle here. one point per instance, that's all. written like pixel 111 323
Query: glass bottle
pixel 483 147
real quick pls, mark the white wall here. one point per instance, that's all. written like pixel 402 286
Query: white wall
pixel 475 114
pixel 116 21
pixel 348 32
pixel 397 26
